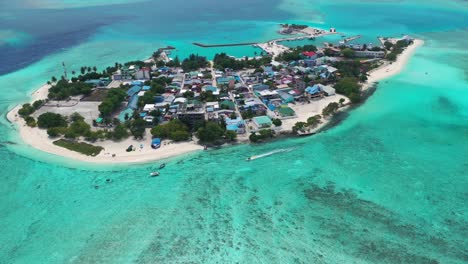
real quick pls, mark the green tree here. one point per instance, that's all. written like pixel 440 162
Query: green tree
pixel 79 127
pixel 30 121
pixel 180 135
pixel 37 104
pixel 342 100
pixel 26 110
pixel 313 121
pixel 391 56
pixel 253 138
pixel 120 132
pixel 210 133
pixel 112 101
pixel 230 135
pixel 348 53
pixel 277 122
pixel 48 120
pixel 53 132
pixel 169 130
pixel 299 126
pixel 330 109
pixel 137 128
pixel 348 86
pixel 388 45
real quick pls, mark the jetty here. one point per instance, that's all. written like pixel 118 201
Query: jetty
pixel 223 45
pixel 346 40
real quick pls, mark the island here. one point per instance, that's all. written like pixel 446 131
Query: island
pixel 140 111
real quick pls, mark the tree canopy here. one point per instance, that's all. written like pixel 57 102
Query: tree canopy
pixel 210 133
pixel 174 130
pixel 48 120
pixel 112 101
pixel 63 89
pixel 350 88
pixel 194 62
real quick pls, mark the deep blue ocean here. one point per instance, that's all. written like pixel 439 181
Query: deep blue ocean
pixel 387 185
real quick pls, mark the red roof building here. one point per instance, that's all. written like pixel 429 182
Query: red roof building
pixel 309 54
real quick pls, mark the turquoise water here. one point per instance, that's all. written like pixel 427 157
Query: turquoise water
pixel 387 185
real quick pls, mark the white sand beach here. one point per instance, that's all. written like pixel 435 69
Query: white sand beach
pixel 389 69
pixel 114 152
pixel 304 111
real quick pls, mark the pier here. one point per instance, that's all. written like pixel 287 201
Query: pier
pixel 223 45
pixel 273 47
pixel 346 40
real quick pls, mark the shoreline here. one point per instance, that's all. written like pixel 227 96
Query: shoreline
pixel 390 69
pixel 38 138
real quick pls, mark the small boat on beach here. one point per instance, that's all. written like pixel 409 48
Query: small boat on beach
pixel 162 166
pixel 154 174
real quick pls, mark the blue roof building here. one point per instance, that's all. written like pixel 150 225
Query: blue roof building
pixel 133 102
pixel 139 83
pixel 313 89
pixel 134 90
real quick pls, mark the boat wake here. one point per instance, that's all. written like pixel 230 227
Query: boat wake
pixel 270 153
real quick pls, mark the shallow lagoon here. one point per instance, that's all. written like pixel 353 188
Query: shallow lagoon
pixel 388 185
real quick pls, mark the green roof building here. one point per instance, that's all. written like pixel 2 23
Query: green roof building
pixel 262 121
pixel 286 111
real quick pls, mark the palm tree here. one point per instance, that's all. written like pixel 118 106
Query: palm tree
pixel 73 73
pixel 53 79
pixel 83 69
pixel 94 69
pixel 89 69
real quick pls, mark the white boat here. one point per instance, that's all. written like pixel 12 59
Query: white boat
pixel 154 174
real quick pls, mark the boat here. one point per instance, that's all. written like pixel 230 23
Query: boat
pixel 269 154
pixel 162 165
pixel 154 174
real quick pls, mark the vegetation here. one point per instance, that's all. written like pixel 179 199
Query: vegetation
pixel 112 101
pixel 48 120
pixel 223 61
pixel 296 53
pixel 349 68
pixel 80 147
pixel 388 45
pixel 261 136
pixel 194 62
pixel 63 89
pixel 211 132
pixel 120 132
pixel 299 127
pixel 313 121
pixel 397 49
pixel 26 110
pixel 294 26
pixel 137 127
pixel 277 122
pixel 174 130
pixel 330 109
pixel 350 88
pixel 30 121
pixel 348 53
pixel 230 135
